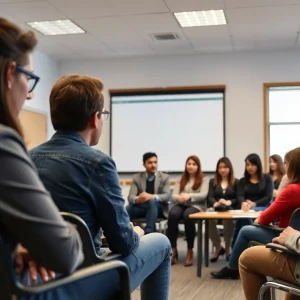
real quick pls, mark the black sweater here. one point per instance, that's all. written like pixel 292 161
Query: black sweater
pixel 261 193
pixel 215 193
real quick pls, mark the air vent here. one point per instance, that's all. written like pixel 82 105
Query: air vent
pixel 165 36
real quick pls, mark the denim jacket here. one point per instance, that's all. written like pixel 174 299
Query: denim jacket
pixel 84 181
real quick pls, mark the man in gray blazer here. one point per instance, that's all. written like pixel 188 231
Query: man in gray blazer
pixel 149 191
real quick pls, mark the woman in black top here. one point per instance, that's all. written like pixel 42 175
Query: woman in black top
pixel 255 190
pixel 276 169
pixel 222 197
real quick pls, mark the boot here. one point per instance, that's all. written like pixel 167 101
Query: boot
pixel 189 258
pixel 174 256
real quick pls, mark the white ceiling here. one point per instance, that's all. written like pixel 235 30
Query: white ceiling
pixel 123 27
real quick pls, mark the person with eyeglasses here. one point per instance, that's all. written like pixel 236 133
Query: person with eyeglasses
pixel 84 181
pixel 32 232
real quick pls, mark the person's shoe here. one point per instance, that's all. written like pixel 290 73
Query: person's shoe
pixel 221 253
pixel 174 256
pixel 226 273
pixel 189 258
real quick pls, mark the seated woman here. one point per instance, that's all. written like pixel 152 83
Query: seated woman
pixel 32 230
pixel 276 170
pixel 189 195
pixel 257 263
pixel 222 197
pixel 255 191
pixel 282 208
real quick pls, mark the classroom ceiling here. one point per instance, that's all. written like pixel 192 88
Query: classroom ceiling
pixel 118 28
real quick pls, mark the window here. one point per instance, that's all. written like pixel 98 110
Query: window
pixel 283 118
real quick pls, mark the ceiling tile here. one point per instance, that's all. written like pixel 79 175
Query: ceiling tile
pixel 84 9
pixel 108 29
pixel 254 3
pixel 190 5
pixel 272 14
pixel 153 23
pixel 30 11
pixel 207 33
pixel 133 7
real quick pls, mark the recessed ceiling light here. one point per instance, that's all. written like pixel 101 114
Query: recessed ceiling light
pixel 201 18
pixel 57 27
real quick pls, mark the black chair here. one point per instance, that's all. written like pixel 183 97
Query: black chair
pixel 276 283
pixel 90 255
pixel 11 288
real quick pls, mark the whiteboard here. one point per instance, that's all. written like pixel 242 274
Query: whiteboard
pixel 173 126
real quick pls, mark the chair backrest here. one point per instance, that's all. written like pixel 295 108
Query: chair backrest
pixel 90 255
pixel 295 219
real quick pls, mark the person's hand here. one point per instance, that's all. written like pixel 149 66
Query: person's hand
pixel 245 206
pixel 284 235
pixel 216 204
pixel 23 257
pixel 185 196
pixel 256 221
pixel 228 202
pixel 222 201
pixel 146 196
pixel 138 230
pixel 251 203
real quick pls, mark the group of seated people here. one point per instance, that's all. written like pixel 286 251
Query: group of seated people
pixel 67 174
pixel 194 192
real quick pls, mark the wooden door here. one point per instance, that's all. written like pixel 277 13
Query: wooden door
pixel 34 125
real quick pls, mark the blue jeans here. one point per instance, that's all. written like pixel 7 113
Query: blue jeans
pixel 249 233
pixel 149 266
pixel 240 223
pixel 150 209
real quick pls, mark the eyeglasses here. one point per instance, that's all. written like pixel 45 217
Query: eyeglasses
pixel 105 114
pixel 32 79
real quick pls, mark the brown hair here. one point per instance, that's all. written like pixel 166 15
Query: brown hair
pixel 280 166
pixel 288 155
pixel 198 176
pixel 73 100
pixel 218 178
pixel 15 44
pixel 293 172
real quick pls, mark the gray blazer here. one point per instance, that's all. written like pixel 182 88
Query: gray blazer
pixel 161 186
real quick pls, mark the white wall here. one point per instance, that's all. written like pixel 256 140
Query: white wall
pixel 47 69
pixel 242 73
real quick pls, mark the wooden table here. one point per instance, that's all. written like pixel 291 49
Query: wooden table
pixel 206 216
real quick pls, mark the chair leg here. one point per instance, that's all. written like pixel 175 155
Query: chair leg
pixel 273 294
pixel 262 292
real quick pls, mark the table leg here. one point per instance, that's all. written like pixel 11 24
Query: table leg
pixel 199 248
pixel 206 243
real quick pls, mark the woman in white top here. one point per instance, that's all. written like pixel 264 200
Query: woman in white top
pixel 189 196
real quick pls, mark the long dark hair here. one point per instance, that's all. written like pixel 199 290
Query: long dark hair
pixel 198 176
pixel 254 159
pixel 218 178
pixel 293 171
pixel 15 44
pixel 280 166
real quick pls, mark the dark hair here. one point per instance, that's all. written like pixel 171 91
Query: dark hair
pixel 293 172
pixel 148 155
pixel 74 99
pixel 280 166
pixel 218 178
pixel 254 159
pixel 198 176
pixel 15 45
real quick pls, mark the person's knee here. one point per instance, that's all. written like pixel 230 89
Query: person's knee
pixel 249 256
pixel 161 242
pixel 152 203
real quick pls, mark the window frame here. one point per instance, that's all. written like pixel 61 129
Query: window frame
pixel 267 124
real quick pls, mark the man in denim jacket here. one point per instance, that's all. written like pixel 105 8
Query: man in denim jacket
pixel 84 181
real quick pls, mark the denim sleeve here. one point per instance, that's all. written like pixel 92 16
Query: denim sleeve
pixel 28 213
pixel 111 212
